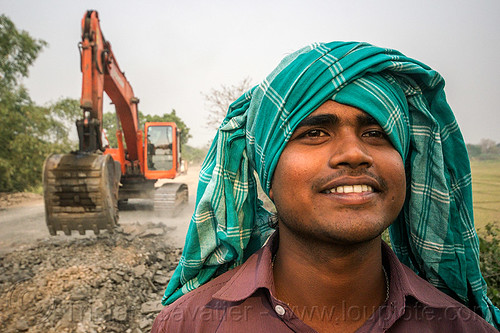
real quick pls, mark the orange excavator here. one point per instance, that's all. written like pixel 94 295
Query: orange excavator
pixel 82 189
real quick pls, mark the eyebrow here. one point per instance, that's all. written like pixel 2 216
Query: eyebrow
pixel 363 119
pixel 322 119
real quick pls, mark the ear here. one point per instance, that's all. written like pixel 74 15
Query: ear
pixel 271 196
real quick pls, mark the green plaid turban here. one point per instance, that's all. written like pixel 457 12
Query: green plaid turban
pixel 434 233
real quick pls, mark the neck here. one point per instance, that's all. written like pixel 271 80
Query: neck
pixel 328 276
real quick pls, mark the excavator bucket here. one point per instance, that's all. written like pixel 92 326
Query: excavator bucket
pixel 80 192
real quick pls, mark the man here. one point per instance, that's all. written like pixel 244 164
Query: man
pixel 346 139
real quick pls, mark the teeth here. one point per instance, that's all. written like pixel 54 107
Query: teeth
pixel 351 189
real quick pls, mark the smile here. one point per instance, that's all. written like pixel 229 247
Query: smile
pixel 350 189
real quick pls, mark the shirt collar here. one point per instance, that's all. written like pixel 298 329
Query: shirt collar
pixel 404 282
pixel 257 272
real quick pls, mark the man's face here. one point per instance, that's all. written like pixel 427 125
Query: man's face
pixel 339 179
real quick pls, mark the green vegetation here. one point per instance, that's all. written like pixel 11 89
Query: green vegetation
pixel 189 153
pixel 489 243
pixel 109 124
pixel 168 117
pixel 486 191
pixel 28 132
pixel 487 149
pixel 193 154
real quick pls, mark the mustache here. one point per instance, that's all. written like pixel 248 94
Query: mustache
pixel 319 183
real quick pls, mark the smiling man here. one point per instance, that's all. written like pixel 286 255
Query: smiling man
pixel 347 139
pixel 338 185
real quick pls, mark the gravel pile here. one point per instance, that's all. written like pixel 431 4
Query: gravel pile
pixel 106 283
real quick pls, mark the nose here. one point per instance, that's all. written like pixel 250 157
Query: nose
pixel 349 151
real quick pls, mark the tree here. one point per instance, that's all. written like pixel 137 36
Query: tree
pixel 18 50
pixel 488 146
pixel 168 117
pixel 218 100
pixel 61 117
pixel 109 124
pixel 194 154
pixel 473 150
pixel 28 133
pixel 489 246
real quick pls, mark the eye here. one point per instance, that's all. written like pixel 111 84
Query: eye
pixel 375 134
pixel 311 136
pixel 314 133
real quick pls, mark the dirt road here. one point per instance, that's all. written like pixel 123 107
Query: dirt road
pixel 23 224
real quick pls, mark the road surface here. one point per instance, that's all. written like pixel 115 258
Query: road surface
pixel 24 225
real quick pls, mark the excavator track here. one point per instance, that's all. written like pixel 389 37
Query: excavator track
pixel 80 192
pixel 170 198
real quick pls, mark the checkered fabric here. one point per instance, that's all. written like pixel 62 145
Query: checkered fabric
pixel 434 233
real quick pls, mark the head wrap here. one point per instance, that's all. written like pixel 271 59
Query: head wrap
pixel 434 233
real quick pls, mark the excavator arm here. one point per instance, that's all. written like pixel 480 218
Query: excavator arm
pixel 101 73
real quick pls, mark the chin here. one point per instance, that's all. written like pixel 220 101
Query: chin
pixel 336 230
pixel 354 239
pixel 352 232
pixel 344 236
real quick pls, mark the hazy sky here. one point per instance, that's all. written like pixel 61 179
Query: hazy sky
pixel 173 51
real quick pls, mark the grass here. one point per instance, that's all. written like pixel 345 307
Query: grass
pixel 486 192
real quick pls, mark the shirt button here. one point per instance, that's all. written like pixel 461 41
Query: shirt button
pixel 279 310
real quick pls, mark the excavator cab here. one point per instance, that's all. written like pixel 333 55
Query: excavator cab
pixel 162 150
pixel 159 148
pixel 162 156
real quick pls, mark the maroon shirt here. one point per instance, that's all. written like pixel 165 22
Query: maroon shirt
pixel 242 300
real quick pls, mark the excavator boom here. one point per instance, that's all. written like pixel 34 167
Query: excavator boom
pixel 101 73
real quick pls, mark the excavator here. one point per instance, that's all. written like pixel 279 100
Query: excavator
pixel 82 189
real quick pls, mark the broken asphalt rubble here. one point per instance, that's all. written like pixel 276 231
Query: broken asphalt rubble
pixel 106 283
